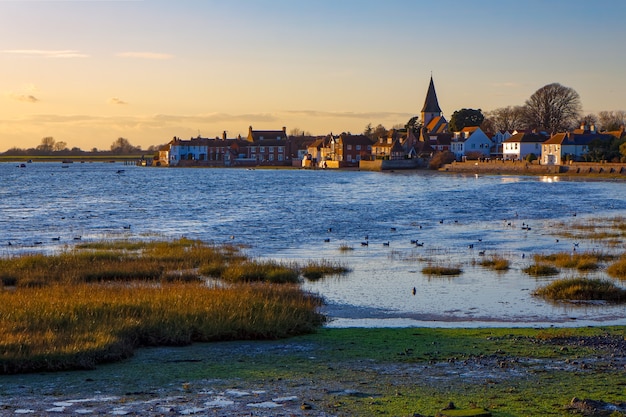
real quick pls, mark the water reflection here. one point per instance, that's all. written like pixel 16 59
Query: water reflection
pixel 550 179
pixel 287 215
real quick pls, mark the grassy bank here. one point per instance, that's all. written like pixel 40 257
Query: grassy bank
pixel 98 302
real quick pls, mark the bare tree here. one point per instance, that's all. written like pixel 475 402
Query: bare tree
pixel 47 144
pixel 375 132
pixel 122 145
pixel 60 146
pixel 611 120
pixel 553 107
pixel 298 132
pixel 588 120
pixel 506 118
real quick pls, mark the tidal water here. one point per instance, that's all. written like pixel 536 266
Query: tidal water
pixel 289 215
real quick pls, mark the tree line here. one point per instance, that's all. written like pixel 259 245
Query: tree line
pixel 50 146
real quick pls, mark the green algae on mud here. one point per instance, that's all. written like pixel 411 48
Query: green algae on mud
pixel 509 372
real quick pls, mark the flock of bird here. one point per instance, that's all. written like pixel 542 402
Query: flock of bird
pixel 58 238
pixel 416 242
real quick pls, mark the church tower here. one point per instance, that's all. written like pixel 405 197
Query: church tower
pixel 431 107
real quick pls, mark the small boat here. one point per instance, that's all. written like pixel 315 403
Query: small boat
pixel 22 165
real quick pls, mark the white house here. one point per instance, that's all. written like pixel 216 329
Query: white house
pixel 518 146
pixel 471 140
pixel 563 147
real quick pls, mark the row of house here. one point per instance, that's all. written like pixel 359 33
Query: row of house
pixel 556 149
pixel 275 147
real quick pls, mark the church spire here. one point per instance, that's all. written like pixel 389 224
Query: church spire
pixel 431 107
pixel 431 104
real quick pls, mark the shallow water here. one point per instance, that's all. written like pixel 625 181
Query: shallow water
pixel 287 214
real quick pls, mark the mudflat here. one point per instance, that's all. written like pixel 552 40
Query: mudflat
pixel 341 372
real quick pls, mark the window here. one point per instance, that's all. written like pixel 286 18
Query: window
pixel 271 157
pixel 270 149
pixel 358 147
pixel 280 157
pixel 349 147
pixel 281 149
pixel 261 148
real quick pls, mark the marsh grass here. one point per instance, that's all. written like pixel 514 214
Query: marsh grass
pixel 604 229
pixel 441 270
pixel 582 289
pixel 314 270
pixel 99 302
pixel 584 261
pixel 79 325
pixel 618 268
pixel 541 270
pixel 117 261
pixel 496 262
pixel 259 271
pixel 344 247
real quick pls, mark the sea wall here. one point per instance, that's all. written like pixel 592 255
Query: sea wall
pixel 528 168
pixel 386 165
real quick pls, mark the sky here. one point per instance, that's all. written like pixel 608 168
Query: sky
pixel 89 72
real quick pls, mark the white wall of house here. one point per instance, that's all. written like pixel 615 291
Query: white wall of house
pixel 551 154
pixel 476 142
pixel 519 150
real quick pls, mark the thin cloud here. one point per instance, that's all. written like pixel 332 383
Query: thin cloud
pixel 349 115
pixel 507 84
pixel 61 53
pixel 116 100
pixel 26 98
pixel 145 55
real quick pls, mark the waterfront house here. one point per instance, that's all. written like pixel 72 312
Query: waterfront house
pixel 269 147
pixel 164 155
pixel 569 146
pixel 471 142
pixel 520 145
pixel 393 147
pixel 349 149
pixel 318 152
pixel 201 151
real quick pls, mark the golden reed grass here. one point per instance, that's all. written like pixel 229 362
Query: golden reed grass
pixel 582 289
pixel 100 301
pixel 79 325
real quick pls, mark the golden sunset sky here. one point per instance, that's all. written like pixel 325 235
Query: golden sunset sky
pixel 88 72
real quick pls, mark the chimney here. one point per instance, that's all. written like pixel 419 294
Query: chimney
pixel 224 135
